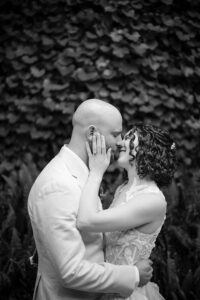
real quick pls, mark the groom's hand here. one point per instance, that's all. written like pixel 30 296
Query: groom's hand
pixel 145 270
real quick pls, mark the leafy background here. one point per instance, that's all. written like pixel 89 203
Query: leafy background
pixel 141 56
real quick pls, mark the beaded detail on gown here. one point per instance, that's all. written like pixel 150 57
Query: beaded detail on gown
pixel 130 246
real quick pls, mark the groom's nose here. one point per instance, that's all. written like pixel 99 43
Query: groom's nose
pixel 120 141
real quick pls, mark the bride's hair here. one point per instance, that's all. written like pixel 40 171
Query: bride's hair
pixel 155 154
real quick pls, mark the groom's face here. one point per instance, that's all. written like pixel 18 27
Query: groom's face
pixel 112 130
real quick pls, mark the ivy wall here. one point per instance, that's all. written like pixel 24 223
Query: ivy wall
pixel 142 56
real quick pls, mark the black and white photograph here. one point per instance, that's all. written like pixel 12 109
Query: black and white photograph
pixel 100 150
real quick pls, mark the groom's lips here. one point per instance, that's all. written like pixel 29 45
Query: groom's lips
pixel 117 153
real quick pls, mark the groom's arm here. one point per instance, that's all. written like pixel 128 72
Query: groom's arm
pixel 64 246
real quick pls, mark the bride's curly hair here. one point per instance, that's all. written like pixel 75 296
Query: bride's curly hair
pixel 155 154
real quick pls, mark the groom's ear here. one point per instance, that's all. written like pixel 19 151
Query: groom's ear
pixel 90 132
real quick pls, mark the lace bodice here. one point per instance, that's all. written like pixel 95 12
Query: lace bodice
pixel 128 247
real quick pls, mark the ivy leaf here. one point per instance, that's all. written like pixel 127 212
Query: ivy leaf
pixel 115 36
pixel 36 72
pixel 132 37
pixel 107 74
pixel 104 93
pixel 12 118
pixel 128 69
pixel 46 41
pixel 94 86
pixel 17 65
pixel 90 35
pixel 113 85
pixel 29 59
pixel 104 48
pixel 146 108
pixel 141 49
pixel 182 36
pixel 90 46
pixel 23 128
pixel 110 9
pixel 62 42
pixel 36 134
pixel 187 71
pixel 167 20
pixel 170 103
pixel 129 13
pixel 11 81
pixel 101 63
pixel 83 76
pixel 50 86
pixel 65 70
pixel 116 95
pixel 120 52
pixel 127 98
pixel 49 104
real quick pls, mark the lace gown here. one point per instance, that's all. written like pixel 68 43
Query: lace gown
pixel 130 246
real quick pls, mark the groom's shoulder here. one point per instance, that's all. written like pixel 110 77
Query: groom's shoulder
pixel 55 173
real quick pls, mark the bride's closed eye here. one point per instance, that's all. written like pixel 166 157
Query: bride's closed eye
pixel 129 135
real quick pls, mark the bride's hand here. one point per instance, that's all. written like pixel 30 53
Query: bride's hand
pixel 99 159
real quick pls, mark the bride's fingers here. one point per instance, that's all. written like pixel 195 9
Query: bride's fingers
pixel 98 143
pixel 103 145
pixel 88 149
pixel 94 145
pixel 109 153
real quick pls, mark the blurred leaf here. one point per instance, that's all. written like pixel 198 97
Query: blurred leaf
pixel 83 76
pixel 36 72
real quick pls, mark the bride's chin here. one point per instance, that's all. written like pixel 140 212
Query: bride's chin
pixel 120 163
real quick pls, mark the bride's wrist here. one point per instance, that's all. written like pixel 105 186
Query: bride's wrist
pixel 95 176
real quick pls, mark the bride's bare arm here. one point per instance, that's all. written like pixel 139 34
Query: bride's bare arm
pixel 139 211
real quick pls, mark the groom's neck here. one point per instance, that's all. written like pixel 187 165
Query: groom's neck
pixel 79 149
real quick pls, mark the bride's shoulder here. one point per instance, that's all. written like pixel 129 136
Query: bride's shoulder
pixel 150 196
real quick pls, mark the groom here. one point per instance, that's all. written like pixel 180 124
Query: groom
pixel 71 264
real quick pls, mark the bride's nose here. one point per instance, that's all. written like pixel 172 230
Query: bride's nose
pixel 120 143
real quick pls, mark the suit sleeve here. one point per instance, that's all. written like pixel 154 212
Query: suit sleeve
pixel 56 210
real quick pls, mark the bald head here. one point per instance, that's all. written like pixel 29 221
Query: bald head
pixel 94 112
pixel 92 116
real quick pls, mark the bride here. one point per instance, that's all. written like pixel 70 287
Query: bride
pixel 137 213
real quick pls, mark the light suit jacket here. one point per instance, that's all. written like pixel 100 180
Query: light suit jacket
pixel 71 264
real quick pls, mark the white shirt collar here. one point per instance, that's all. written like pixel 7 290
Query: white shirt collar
pixel 74 163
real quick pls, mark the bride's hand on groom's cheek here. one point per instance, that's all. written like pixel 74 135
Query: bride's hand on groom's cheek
pixel 99 157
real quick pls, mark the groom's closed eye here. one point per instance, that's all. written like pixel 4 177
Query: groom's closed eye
pixel 117 133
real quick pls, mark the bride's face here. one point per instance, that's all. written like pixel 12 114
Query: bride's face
pixel 124 155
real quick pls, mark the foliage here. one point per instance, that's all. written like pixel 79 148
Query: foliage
pixel 177 253
pixel 16 239
pixel 141 56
